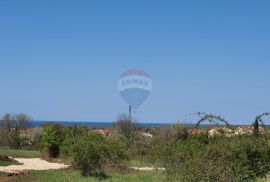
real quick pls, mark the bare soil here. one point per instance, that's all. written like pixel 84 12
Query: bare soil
pixel 32 164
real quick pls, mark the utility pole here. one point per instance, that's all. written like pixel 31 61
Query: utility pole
pixel 130 117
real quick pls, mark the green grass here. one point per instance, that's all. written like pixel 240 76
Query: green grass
pixel 2 174
pixel 20 153
pixel 264 179
pixel 8 163
pixel 75 176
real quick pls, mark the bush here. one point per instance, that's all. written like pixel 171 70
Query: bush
pixel 179 132
pixel 52 137
pixel 222 159
pixel 126 129
pixel 92 152
pixel 70 133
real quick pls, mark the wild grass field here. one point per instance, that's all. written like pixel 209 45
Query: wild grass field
pixel 20 153
pixel 75 176
pixel 8 163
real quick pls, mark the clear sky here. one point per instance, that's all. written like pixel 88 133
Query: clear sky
pixel 60 60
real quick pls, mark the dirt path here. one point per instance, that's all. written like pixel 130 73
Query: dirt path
pixel 148 169
pixel 32 164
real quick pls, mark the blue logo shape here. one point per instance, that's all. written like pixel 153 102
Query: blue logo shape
pixel 135 86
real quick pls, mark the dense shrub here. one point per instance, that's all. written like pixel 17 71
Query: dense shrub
pixel 52 137
pixel 222 159
pixel 92 153
pixel 179 132
pixel 140 148
pixel 126 129
pixel 70 133
pixel 164 134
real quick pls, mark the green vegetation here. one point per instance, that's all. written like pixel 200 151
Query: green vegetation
pixel 8 163
pixel 263 180
pixel 186 155
pixel 140 163
pixel 57 139
pixel 126 129
pixel 92 153
pixel 3 174
pixel 257 122
pixel 10 127
pixel 75 175
pixel 20 153
pixel 221 159
pixel 52 138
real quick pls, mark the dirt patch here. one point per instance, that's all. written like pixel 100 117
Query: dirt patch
pixel 147 169
pixel 52 160
pixel 18 173
pixel 32 164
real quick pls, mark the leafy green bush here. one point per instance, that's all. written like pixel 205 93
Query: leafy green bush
pixel 92 153
pixel 126 129
pixel 52 137
pixel 179 132
pixel 220 159
pixel 70 133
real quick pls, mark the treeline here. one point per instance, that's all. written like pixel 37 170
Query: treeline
pixel 11 126
pixel 184 155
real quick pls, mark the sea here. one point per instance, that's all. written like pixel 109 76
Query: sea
pixel 98 124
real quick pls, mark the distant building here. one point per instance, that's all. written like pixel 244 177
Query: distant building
pixel 197 132
pixel 221 131
pixel 104 132
pixel 147 135
pixel 241 130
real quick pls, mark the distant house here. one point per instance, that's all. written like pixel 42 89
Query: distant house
pixel 145 134
pixel 221 131
pixel 196 132
pixel 104 132
pixel 241 130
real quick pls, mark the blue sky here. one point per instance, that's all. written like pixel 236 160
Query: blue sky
pixel 61 60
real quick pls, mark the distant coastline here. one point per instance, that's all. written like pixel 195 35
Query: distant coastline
pixel 97 124
pixel 110 124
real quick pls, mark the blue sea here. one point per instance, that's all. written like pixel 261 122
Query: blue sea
pixel 96 124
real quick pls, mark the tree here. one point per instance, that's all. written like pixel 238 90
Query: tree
pixel 126 128
pixel 179 132
pixel 70 133
pixel 52 138
pixel 257 122
pixel 11 125
pixel 92 152
pixel 15 122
